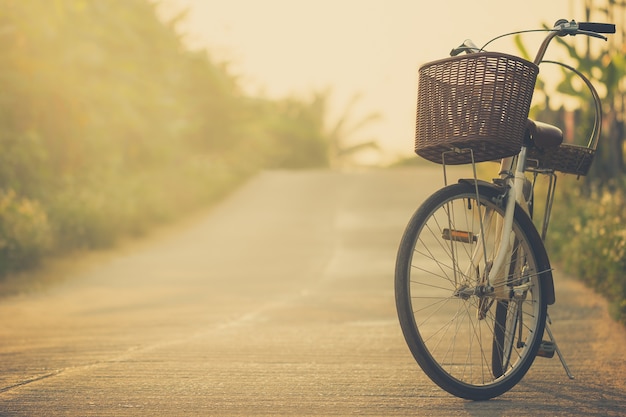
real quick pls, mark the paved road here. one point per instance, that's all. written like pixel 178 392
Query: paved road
pixel 279 301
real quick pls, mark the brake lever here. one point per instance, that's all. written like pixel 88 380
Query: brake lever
pixel 592 34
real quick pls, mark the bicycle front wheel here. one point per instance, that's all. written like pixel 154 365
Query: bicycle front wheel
pixel 474 340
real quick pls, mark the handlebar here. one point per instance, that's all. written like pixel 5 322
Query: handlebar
pixel 597 27
pixel 562 27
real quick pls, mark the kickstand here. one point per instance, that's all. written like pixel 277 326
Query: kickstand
pixel 556 347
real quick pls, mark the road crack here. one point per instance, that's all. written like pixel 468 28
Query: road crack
pixel 30 380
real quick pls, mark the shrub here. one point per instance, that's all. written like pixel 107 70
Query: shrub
pixel 588 237
pixel 24 232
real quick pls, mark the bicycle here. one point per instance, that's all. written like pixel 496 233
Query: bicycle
pixel 473 280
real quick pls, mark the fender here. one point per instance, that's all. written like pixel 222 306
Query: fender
pixel 545 270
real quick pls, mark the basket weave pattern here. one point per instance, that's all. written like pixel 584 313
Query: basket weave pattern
pixel 566 158
pixel 477 101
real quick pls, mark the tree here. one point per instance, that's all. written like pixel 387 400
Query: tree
pixel 302 137
pixel 341 134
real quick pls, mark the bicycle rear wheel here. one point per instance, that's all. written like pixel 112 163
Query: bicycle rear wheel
pixel 473 341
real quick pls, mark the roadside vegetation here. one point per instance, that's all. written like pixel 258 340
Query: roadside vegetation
pixel 109 125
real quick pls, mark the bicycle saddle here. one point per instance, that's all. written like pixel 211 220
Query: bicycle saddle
pixel 543 135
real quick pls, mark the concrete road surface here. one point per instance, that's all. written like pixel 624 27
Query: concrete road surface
pixel 279 301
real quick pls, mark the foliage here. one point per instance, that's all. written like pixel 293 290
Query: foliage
pixel 588 238
pixel 341 147
pixel 24 231
pixel 300 122
pixel 108 125
pixel 303 122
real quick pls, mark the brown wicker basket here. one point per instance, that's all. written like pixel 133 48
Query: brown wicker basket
pixel 478 101
pixel 566 158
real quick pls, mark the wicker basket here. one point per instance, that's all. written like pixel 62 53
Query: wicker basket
pixel 569 159
pixel 478 101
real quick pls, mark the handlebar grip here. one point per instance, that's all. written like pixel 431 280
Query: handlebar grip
pixel 597 27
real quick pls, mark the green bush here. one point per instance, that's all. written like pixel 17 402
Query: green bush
pixel 588 237
pixel 109 125
pixel 25 233
pixel 95 212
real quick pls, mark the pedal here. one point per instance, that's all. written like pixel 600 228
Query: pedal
pixel 459 236
pixel 546 349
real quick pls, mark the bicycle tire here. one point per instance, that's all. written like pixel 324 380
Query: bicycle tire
pixel 454 335
pixel 504 325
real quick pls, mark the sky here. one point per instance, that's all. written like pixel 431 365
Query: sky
pixel 372 48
